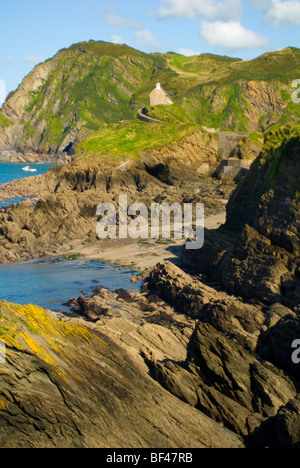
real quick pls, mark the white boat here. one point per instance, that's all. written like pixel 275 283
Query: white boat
pixel 28 169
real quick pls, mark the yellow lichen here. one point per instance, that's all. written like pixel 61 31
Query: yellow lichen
pixel 3 405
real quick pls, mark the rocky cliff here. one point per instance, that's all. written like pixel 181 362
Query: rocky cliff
pixel 242 289
pixel 256 253
pixel 67 383
pixel 68 195
pixel 66 98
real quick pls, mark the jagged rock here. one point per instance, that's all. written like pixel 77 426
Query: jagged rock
pixel 91 308
pixel 189 295
pixel 276 343
pixel 66 385
pixel 256 254
pixel 224 381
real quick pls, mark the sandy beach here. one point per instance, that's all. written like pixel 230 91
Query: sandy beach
pixel 142 254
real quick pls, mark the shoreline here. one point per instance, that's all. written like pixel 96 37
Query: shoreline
pixel 142 254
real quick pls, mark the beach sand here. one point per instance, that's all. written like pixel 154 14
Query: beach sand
pixel 142 254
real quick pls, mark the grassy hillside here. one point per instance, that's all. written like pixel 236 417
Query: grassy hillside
pixel 123 140
pixel 96 83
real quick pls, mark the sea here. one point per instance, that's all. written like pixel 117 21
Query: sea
pixel 51 282
pixel 10 171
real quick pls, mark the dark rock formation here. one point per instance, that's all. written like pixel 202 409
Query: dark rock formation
pixel 275 344
pixel 68 385
pixel 239 368
pixel 190 296
pixel 226 382
pixel 256 254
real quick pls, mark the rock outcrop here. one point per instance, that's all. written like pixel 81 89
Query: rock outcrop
pixel 68 384
pixel 239 368
pixel 256 253
pixel 93 83
pixel 243 290
pixel 66 198
pixel 225 382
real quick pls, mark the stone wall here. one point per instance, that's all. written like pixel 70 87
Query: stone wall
pixel 144 118
pixel 232 168
pixel 228 142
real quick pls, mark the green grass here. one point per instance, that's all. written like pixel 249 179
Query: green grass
pixel 95 83
pixel 71 257
pixel 127 139
pixel 4 122
pixel 171 114
pixel 227 111
pixel 278 141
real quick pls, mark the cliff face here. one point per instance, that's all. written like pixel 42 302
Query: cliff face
pixel 73 94
pixel 69 384
pixel 256 253
pixel 243 288
pixel 68 195
pixel 84 86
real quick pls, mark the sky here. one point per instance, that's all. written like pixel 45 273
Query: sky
pixel 35 30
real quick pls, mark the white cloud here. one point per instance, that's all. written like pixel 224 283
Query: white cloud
pixel 33 59
pixel 187 52
pixel 2 92
pixel 118 22
pixel 284 13
pixel 231 36
pixel 115 39
pixel 224 10
pixel 148 39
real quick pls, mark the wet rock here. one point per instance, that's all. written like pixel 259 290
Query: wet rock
pixel 91 308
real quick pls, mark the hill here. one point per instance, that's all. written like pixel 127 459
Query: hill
pixel 70 96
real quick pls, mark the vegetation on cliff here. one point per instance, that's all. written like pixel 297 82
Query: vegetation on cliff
pixel 128 139
pixel 68 384
pixel 96 83
pixel 4 122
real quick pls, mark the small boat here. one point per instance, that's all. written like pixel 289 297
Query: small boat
pixel 28 169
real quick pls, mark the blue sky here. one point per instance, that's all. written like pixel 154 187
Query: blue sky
pixel 34 30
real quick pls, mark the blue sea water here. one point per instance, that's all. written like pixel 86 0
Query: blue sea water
pixel 49 283
pixel 10 171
